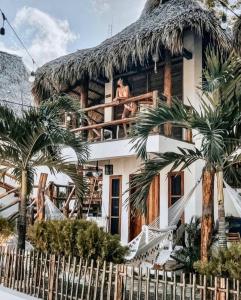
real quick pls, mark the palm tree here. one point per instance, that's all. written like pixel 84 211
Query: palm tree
pixel 37 139
pixel 217 124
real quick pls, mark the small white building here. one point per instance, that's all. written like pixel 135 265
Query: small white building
pixel 160 56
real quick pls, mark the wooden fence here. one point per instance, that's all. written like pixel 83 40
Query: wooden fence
pixel 56 277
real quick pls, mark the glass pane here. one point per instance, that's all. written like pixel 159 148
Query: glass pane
pixel 115 187
pixel 174 199
pixel 114 226
pixel 177 133
pixel 176 185
pixel 115 207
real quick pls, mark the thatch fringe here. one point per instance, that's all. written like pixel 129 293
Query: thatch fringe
pixel 237 35
pixel 163 26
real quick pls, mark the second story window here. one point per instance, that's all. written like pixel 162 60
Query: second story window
pixel 175 187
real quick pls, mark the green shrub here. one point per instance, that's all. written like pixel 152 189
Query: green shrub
pixel 188 236
pixel 76 238
pixel 6 229
pixel 224 263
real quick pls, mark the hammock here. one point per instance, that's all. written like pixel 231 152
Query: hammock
pixel 51 211
pixel 12 242
pixel 235 197
pixel 149 244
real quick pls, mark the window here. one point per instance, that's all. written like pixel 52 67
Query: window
pixel 115 204
pixel 175 187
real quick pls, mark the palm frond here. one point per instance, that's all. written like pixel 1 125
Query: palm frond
pixel 141 181
pixel 155 117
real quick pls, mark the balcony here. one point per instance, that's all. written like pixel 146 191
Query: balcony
pixel 104 121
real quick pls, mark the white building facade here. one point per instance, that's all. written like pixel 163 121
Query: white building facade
pixel 160 56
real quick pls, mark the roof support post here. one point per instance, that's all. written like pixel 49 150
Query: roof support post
pixel 84 91
pixel 168 87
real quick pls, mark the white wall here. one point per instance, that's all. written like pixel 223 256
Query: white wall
pixel 192 74
pixel 124 148
pixel 128 166
pixel 192 69
pixel 124 167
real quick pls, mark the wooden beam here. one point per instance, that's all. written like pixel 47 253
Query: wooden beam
pixel 146 69
pixel 66 205
pixel 106 124
pixel 8 193
pixel 13 216
pixel 168 87
pixel 40 195
pixel 9 175
pixel 74 92
pixel 9 205
pixel 97 81
pixel 6 186
pixel 84 89
pixel 116 103
pixel 97 93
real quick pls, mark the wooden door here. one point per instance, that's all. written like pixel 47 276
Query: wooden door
pixel 153 210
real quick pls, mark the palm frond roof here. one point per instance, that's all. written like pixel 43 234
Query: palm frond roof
pixel 161 25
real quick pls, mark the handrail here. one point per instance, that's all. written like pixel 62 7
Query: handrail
pixel 8 193
pixel 106 124
pixel 8 175
pixel 121 102
pixel 9 205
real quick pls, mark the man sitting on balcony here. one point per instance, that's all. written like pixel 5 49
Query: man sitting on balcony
pixel 123 93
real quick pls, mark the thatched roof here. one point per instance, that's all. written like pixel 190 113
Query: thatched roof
pixel 161 25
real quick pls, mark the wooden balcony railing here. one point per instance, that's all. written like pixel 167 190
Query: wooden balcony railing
pixel 99 130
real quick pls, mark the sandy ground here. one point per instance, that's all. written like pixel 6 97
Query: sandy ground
pixel 7 294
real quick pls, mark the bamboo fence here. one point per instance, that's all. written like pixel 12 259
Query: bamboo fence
pixel 52 277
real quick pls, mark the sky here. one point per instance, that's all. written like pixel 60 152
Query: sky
pixel 52 28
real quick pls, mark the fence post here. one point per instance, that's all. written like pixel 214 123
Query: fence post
pixel 183 286
pixel 221 295
pixel 119 282
pixel 193 286
pixel 238 291
pixel 51 277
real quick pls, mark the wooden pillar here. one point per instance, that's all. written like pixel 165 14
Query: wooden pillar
pixel 40 196
pixel 74 120
pixel 155 105
pixel 168 87
pixel 188 135
pixel 109 96
pixel 84 89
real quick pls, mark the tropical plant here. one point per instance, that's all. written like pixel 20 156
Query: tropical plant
pixel 6 229
pixel 217 125
pixel 224 263
pixel 190 242
pixel 76 238
pixel 37 139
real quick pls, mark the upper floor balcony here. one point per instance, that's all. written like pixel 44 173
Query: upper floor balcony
pixel 108 129
pixel 105 123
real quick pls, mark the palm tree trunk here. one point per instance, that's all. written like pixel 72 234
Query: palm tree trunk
pixel 22 212
pixel 222 239
pixel 207 212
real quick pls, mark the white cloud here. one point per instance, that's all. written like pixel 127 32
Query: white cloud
pixel 46 37
pixel 101 6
